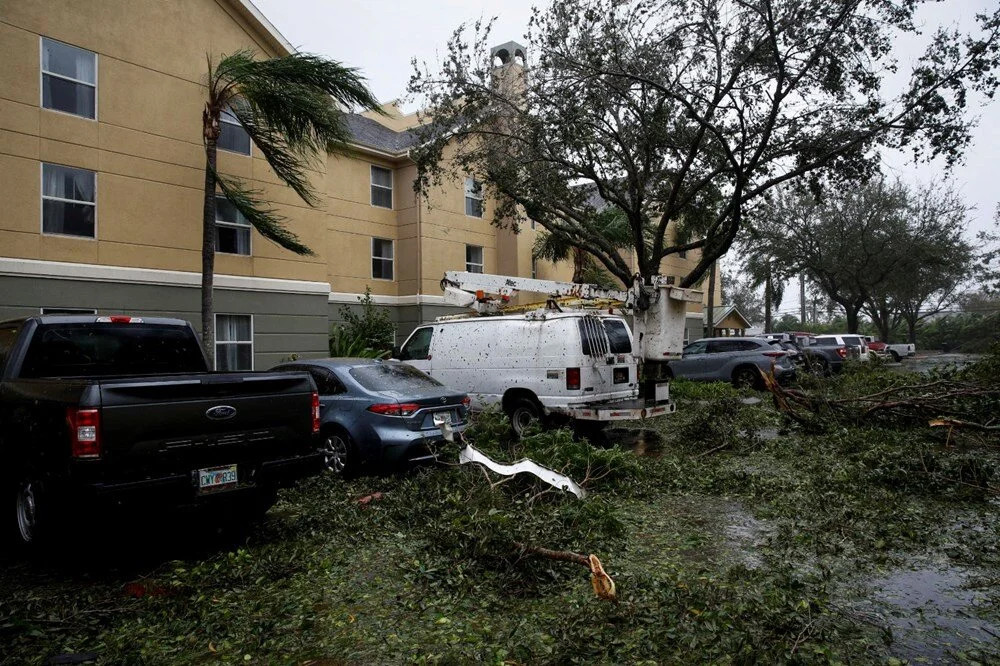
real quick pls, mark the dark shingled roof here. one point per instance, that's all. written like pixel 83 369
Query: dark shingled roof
pixel 371 133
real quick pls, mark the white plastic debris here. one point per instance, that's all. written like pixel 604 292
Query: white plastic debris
pixel 470 454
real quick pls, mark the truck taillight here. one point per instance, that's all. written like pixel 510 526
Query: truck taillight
pixel 466 401
pixel 84 432
pixel 572 379
pixel 315 411
pixel 119 319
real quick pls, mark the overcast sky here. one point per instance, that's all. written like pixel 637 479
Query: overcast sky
pixel 381 37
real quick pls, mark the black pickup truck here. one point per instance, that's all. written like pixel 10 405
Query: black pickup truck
pixel 121 409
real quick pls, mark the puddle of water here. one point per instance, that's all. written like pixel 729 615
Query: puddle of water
pixel 643 442
pixel 934 611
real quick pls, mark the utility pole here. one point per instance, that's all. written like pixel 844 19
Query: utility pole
pixel 802 298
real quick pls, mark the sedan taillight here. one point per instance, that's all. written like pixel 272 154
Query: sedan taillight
pixel 394 409
pixel 84 432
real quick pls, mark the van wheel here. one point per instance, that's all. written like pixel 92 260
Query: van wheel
pixel 523 413
pixel 746 377
pixel 895 356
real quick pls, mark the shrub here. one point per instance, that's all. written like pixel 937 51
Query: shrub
pixel 373 326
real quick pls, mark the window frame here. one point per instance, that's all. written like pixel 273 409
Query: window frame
pixel 42 197
pixel 409 338
pixel 42 73
pixel 215 359
pixel 372 183
pixel 480 198
pixel 235 123
pixel 391 259
pixel 482 259
pixel 232 225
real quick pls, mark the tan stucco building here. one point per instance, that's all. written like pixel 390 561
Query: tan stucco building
pixel 103 166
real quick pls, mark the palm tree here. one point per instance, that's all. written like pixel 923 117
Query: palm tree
pixel 290 107
pixel 766 271
pixel 556 247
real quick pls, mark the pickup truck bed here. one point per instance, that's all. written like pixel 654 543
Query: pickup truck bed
pixel 79 427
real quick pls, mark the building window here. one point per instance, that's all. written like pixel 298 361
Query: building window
pixel 233 342
pixel 473 259
pixel 381 187
pixel 68 201
pixel 382 259
pixel 232 136
pixel 473 197
pixel 232 229
pixel 69 79
pixel 534 268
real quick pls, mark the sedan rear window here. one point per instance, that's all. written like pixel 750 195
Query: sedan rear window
pixel 392 377
pixel 95 350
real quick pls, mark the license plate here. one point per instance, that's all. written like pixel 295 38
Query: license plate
pixel 621 375
pixel 217 478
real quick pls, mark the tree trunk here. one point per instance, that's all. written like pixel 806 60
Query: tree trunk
pixel 768 324
pixel 911 330
pixel 710 308
pixel 802 299
pixel 208 252
pixel 852 317
pixel 578 260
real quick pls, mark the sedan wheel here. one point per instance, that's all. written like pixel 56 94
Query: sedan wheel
pixel 335 453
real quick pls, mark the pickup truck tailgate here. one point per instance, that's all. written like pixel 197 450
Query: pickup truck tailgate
pixel 182 423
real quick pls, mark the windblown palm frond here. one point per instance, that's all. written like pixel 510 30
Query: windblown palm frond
pixel 260 215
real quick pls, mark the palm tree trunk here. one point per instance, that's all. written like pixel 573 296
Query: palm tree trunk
pixel 208 254
pixel 710 309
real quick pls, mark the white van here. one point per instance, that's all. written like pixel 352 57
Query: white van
pixel 576 364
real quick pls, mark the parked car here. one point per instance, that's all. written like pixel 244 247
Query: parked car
pixel 732 359
pixel 379 414
pixel 572 365
pixel 897 352
pixel 820 360
pixel 857 348
pixel 124 410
